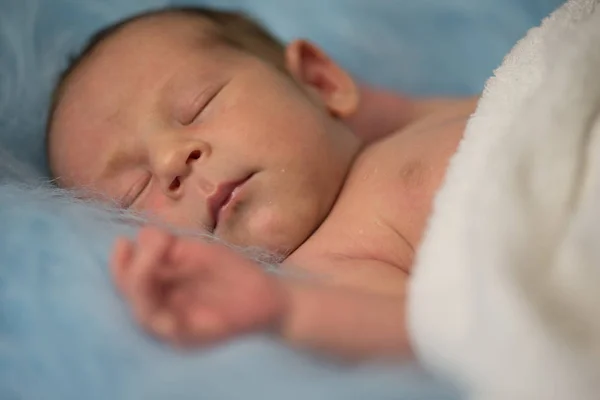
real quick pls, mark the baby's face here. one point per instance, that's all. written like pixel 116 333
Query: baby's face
pixel 201 136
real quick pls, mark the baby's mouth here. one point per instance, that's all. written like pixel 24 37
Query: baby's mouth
pixel 223 198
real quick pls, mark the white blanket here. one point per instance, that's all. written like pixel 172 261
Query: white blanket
pixel 505 297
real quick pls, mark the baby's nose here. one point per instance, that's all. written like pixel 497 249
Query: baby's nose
pixel 173 167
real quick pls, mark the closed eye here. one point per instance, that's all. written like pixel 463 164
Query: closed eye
pixel 201 103
pixel 134 194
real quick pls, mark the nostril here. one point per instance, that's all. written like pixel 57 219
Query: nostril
pixel 194 155
pixel 175 184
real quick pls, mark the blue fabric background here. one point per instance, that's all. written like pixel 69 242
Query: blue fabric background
pixel 63 332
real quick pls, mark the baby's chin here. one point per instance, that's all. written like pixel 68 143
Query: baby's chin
pixel 270 232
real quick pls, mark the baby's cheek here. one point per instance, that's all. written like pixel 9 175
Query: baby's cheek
pixel 159 206
pixel 280 229
pixel 265 221
pixel 154 203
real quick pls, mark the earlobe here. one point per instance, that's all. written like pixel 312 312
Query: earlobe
pixel 310 66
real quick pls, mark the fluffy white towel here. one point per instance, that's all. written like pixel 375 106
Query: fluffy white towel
pixel 505 297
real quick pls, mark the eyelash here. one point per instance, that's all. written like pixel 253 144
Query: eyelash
pixel 195 116
pixel 130 202
pixel 202 107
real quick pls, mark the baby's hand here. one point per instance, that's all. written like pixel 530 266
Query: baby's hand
pixel 191 292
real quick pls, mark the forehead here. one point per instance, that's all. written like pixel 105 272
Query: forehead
pixel 143 49
pixel 158 34
pixel 139 53
pixel 128 70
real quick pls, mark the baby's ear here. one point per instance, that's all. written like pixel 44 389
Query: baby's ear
pixel 314 69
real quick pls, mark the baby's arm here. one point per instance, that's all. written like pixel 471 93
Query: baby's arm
pixel 344 322
pixel 191 292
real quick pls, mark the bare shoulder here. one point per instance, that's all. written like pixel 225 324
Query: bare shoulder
pixel 383 209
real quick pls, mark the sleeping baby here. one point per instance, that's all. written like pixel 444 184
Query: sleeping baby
pixel 203 120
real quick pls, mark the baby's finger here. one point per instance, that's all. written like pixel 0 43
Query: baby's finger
pixel 205 326
pixel 197 253
pixel 120 262
pixel 203 318
pixel 164 325
pixel 149 236
pixel 186 320
pixel 144 286
pixel 168 323
pixel 176 274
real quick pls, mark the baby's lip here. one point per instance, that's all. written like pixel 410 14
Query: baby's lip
pixel 222 196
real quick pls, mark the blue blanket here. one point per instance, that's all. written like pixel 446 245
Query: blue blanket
pixel 64 334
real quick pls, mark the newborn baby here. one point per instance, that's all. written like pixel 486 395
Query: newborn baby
pixel 202 119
